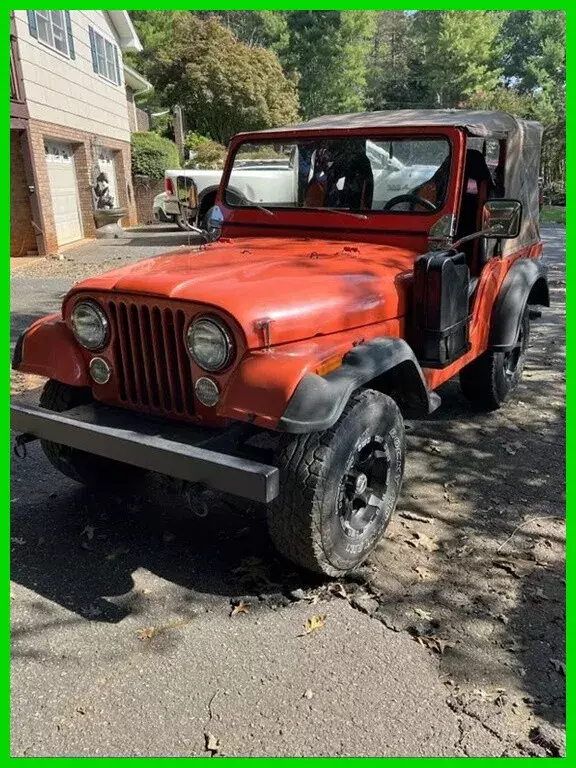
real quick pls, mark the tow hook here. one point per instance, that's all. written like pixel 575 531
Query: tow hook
pixel 196 496
pixel 20 444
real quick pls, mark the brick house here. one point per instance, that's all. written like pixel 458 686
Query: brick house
pixel 72 111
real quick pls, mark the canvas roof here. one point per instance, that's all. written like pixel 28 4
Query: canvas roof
pixel 476 123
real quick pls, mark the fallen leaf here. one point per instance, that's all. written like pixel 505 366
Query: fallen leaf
pixel 212 744
pixel 240 607
pixel 516 569
pixel 513 447
pixel 146 634
pixel 313 624
pixel 308 694
pixel 167 537
pixel 415 516
pixel 88 532
pixel 423 614
pixel 423 573
pixel 434 643
pixel 117 552
pixel 559 666
pixel 423 541
pixel 17 540
pixel 338 589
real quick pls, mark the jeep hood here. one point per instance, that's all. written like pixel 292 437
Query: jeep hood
pixel 304 287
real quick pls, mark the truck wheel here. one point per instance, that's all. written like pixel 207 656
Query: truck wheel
pixel 340 487
pixel 85 468
pixel 489 380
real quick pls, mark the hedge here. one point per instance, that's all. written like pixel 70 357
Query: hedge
pixel 152 154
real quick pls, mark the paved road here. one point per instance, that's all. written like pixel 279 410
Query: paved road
pixel 450 642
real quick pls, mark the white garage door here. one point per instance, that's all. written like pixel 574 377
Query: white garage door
pixel 106 165
pixel 64 191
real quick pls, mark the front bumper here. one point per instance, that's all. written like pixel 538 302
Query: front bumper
pixel 189 453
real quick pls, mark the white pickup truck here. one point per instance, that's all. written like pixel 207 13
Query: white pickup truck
pixel 275 181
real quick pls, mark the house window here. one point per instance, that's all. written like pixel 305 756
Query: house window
pixel 104 57
pixel 52 30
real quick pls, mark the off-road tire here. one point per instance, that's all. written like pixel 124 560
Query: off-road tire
pixel 305 522
pixel 488 381
pixel 86 468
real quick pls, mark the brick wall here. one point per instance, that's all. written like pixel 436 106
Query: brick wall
pixel 144 192
pixel 22 233
pixel 83 159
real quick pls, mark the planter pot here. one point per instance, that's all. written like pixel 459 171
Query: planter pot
pixel 107 219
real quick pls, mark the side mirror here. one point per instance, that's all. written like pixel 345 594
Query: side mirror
pixel 501 218
pixel 213 222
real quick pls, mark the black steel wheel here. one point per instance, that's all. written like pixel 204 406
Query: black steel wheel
pixel 489 380
pixel 339 488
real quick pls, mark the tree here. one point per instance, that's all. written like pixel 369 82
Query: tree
pixel 223 85
pixel 392 82
pixel 329 50
pixel 267 29
pixel 458 53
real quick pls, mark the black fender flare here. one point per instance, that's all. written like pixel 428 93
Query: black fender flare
pixel 318 401
pixel 525 283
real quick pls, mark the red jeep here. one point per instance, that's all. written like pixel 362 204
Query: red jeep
pixel 374 257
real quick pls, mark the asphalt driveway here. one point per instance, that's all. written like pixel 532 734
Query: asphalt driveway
pixel 449 642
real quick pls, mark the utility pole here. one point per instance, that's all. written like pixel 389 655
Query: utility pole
pixel 179 133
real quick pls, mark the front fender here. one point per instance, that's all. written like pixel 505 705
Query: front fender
pixel 48 348
pixel 388 364
pixel 524 284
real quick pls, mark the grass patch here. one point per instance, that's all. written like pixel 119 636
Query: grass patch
pixel 553 214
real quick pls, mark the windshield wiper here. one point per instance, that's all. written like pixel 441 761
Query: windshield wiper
pixel 260 208
pixel 345 213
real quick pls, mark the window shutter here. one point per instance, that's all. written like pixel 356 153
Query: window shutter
pixel 32 26
pixel 93 49
pixel 69 33
pixel 118 78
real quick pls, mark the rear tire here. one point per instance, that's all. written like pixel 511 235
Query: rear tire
pixel 340 487
pixel 85 468
pixel 488 381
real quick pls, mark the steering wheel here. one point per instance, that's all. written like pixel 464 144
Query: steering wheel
pixel 409 198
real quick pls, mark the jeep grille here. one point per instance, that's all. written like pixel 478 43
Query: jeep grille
pixel 150 359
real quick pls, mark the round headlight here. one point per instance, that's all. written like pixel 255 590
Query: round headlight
pixel 209 343
pixel 90 325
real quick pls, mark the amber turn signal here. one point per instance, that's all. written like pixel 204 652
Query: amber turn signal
pixel 329 365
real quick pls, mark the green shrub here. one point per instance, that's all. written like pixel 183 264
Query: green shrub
pixel 152 154
pixel 206 153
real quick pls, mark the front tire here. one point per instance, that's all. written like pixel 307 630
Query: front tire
pixel 488 381
pixel 340 487
pixel 86 468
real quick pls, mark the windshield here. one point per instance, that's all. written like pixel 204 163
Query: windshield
pixel 354 174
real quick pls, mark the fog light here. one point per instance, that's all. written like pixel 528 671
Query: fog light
pixel 207 391
pixel 100 370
